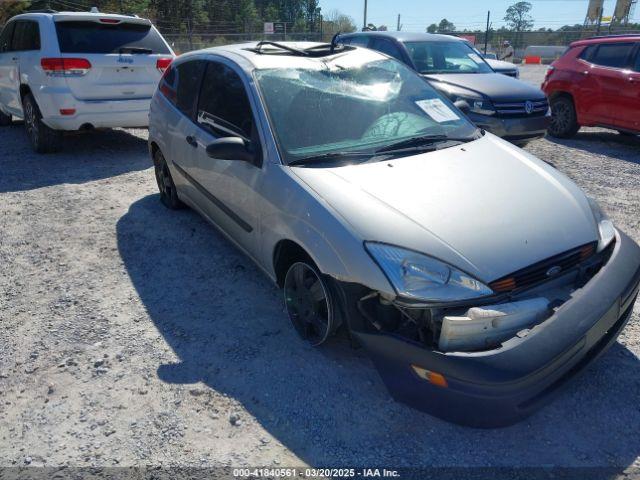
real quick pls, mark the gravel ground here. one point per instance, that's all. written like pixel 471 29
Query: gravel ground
pixel 134 335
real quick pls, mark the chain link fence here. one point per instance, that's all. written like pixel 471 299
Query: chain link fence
pixel 548 45
pixel 182 43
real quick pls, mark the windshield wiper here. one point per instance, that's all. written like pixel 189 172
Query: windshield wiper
pixel 328 156
pixel 135 50
pixel 423 140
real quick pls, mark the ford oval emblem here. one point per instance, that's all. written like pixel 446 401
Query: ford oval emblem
pixel 528 107
pixel 553 271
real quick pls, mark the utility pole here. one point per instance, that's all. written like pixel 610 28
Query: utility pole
pixel 486 32
pixel 364 25
pixel 398 26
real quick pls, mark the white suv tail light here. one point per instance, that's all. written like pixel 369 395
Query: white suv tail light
pixel 65 66
pixel 163 63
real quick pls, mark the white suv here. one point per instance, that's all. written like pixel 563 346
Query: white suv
pixel 77 71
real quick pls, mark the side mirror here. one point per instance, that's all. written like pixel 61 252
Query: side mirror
pixel 463 106
pixel 230 148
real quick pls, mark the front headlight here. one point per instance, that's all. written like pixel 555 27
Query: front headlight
pixel 482 107
pixel 418 276
pixel 477 105
pixel 606 230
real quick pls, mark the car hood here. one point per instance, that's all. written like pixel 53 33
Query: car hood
pixel 500 65
pixel 486 206
pixel 496 86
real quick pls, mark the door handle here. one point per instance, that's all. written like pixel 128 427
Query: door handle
pixel 15 59
pixel 192 141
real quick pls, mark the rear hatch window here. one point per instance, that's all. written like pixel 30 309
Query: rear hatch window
pixel 94 37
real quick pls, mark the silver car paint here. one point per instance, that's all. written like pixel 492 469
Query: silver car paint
pixel 486 207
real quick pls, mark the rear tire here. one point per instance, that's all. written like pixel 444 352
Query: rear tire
pixel 627 134
pixel 166 186
pixel 564 121
pixel 43 139
pixel 5 120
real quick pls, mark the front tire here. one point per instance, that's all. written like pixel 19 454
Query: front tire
pixel 310 303
pixel 166 186
pixel 564 121
pixel 43 139
pixel 5 120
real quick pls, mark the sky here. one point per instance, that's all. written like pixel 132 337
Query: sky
pixel 416 15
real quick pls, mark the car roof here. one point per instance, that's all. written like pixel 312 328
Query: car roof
pixel 274 59
pixel 406 36
pixel 607 39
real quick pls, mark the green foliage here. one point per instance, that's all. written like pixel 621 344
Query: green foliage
pixel 9 8
pixel 518 17
pixel 194 16
pixel 446 26
pixel 433 28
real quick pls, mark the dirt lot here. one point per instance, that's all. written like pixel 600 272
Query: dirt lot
pixel 134 335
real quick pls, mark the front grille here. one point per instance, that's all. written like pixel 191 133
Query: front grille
pixel 545 269
pixel 519 109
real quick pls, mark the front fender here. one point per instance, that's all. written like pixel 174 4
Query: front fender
pixel 297 214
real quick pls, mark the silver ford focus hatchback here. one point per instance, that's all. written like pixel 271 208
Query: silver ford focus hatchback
pixel 478 278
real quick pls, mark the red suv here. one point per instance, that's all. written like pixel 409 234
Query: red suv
pixel 596 83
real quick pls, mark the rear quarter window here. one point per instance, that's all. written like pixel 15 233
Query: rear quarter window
pixel 181 85
pixel 94 37
pixel 26 36
pixel 614 55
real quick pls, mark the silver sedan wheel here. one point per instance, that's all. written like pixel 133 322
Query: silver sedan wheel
pixel 308 303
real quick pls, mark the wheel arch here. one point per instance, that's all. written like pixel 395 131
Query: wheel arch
pixel 153 148
pixel 285 253
pixel 561 93
pixel 24 90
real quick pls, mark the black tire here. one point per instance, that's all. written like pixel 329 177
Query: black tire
pixel 166 186
pixel 564 121
pixel 43 139
pixel 627 134
pixel 310 302
pixel 5 120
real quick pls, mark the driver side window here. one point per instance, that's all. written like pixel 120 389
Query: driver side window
pixel 224 109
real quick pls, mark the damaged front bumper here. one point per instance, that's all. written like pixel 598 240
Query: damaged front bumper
pixel 499 387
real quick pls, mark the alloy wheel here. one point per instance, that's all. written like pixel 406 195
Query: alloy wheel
pixel 163 178
pixel 31 122
pixel 560 118
pixel 308 303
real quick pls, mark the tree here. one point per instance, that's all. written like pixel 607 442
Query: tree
pixel 9 8
pixel 246 16
pixel 433 28
pixel 446 26
pixel 518 18
pixel 336 21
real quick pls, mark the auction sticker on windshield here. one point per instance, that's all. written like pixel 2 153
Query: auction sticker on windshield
pixel 437 109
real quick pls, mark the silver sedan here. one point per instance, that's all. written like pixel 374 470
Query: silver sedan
pixel 477 277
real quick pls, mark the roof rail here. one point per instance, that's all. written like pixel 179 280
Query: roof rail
pixel 618 35
pixel 44 10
